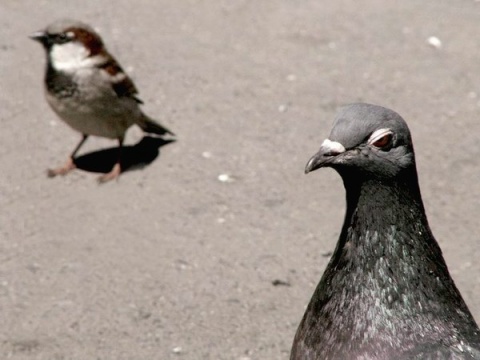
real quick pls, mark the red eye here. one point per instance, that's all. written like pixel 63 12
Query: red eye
pixel 383 141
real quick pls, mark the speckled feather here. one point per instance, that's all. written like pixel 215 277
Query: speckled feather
pixel 86 86
pixel 122 84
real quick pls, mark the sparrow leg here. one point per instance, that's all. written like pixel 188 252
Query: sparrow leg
pixel 117 169
pixel 70 164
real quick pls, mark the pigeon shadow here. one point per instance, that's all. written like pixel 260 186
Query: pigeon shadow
pixel 133 157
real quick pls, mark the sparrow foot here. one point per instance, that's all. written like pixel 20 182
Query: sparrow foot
pixel 63 170
pixel 113 174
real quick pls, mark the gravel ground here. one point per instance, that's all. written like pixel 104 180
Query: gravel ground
pixel 174 262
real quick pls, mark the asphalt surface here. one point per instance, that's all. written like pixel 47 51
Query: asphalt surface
pixel 174 262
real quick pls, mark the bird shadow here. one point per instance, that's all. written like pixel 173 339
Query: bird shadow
pixel 133 157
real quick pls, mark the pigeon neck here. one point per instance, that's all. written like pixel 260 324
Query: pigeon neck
pixel 383 219
pixel 387 255
pixel 386 275
pixel 376 203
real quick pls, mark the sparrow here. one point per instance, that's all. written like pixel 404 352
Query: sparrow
pixel 88 89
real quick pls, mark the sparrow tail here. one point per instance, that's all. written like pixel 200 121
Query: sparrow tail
pixel 150 126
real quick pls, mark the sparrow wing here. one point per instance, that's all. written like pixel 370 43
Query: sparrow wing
pixel 121 83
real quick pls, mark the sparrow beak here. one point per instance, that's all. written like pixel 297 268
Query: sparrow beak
pixel 40 36
pixel 328 151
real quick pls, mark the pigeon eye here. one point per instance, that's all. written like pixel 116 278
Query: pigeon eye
pixel 384 141
pixel 381 139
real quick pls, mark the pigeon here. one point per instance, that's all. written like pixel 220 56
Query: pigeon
pixel 386 292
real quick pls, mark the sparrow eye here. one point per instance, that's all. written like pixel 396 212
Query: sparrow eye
pixel 61 38
pixel 384 141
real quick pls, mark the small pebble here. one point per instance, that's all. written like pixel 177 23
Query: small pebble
pixel 225 178
pixel 282 108
pixel 278 282
pixel 291 77
pixel 435 42
pixel 207 154
pixel 177 350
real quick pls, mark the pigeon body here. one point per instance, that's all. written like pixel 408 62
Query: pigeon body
pixel 386 292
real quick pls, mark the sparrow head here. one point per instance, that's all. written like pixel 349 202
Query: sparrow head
pixel 70 44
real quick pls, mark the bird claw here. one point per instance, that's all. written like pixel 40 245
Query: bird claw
pixel 63 170
pixel 113 174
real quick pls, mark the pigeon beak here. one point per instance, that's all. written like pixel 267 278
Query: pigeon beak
pixel 328 150
pixel 40 36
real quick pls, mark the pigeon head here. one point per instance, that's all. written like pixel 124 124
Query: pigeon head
pixel 366 140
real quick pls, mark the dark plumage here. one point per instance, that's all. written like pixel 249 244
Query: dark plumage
pixel 386 292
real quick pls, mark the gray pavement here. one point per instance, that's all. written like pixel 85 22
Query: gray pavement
pixel 169 262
